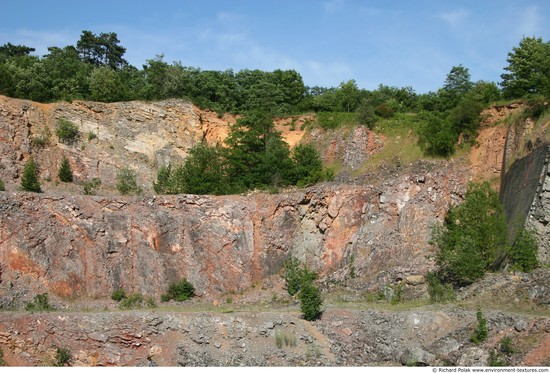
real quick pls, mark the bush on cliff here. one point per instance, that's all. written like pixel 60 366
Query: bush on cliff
pixel 66 131
pixel 523 253
pixel 2 187
pixel 473 237
pixel 180 291
pixel 126 182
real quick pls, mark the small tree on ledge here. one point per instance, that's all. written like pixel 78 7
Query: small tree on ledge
pixel 65 172
pixel 29 180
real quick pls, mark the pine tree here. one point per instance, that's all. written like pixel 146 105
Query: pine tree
pixel 65 172
pixel 29 180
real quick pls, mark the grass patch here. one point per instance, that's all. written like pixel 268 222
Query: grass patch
pixel 329 120
pixel 401 143
pixel 286 339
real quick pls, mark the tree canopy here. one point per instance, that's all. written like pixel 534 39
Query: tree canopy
pixel 528 70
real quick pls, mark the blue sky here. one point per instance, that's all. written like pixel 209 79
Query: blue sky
pixel 394 42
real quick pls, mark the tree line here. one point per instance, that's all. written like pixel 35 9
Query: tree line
pixel 95 69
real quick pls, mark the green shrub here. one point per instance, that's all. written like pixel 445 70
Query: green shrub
pixel 295 275
pixel 2 187
pixel 66 131
pixel 62 357
pixel 165 180
pixel 91 136
pixel 132 301
pixel 397 294
pixel 480 334
pixel 118 295
pixel 90 186
pixel 536 106
pixel 384 111
pixel 506 346
pixel 523 253
pixel 438 291
pixel 366 115
pixel 65 173
pixel 29 180
pixel 126 182
pixel 436 136
pixel 473 238
pixel 40 303
pixel 39 141
pixel 150 302
pixel 180 291
pixel 310 301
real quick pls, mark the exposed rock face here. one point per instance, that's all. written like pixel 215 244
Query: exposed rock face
pixel 539 213
pixel 141 135
pixel 87 246
pixel 350 147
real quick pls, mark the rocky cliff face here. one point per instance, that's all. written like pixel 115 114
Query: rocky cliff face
pixel 141 136
pixel 87 246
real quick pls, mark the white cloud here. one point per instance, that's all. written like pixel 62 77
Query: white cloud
pixel 454 18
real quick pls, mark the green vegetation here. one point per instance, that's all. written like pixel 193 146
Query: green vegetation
pixel 62 357
pixel 473 238
pixel 507 346
pixel 481 332
pixel 256 157
pixel 65 173
pixel 439 291
pixel 310 301
pixel 499 358
pixel 118 295
pixel 42 139
pixel 29 180
pixel 91 136
pixel 496 359
pixel 66 131
pixel 523 253
pixel 179 292
pixel 2 187
pixel 91 185
pixel 126 182
pixel 289 340
pixel 2 361
pixel 299 280
pixel 131 301
pixel 296 274
pixel 472 241
pixel 40 303
pixel 328 120
pixel 527 70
